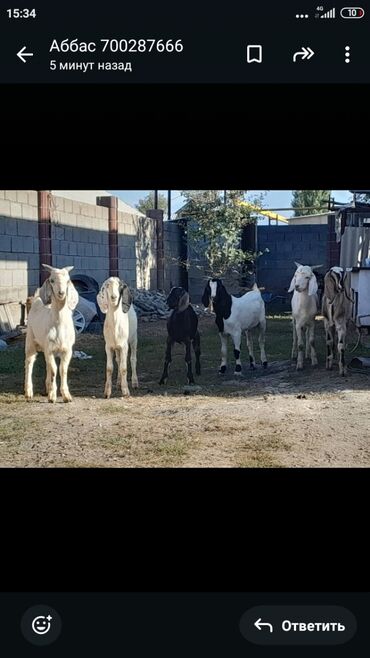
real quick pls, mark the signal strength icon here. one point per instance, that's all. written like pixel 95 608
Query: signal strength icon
pixel 329 14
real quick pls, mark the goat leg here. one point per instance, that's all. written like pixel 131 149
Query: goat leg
pixel 252 362
pixel 189 371
pixel 300 341
pixel 109 372
pixel 341 331
pixel 223 365
pixel 133 359
pixel 311 343
pixel 261 342
pixel 167 361
pixel 64 363
pixel 51 368
pixel 30 360
pixel 329 332
pixel 196 347
pixel 123 370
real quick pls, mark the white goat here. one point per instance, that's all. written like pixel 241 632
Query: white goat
pixel 304 311
pixel 120 332
pixel 50 329
pixel 235 315
pixel 336 311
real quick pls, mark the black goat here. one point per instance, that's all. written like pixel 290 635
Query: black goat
pixel 182 327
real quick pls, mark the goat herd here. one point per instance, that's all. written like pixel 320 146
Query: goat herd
pixel 50 327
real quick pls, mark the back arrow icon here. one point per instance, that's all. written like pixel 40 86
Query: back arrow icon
pixel 260 623
pixel 305 53
pixel 22 54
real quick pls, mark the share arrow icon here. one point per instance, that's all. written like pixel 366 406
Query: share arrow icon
pixel 305 53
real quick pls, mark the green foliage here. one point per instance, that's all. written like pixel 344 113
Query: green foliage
pixel 216 230
pixel 312 201
pixel 147 203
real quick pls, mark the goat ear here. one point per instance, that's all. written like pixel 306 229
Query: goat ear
pixel 183 302
pixel 49 268
pixel 206 295
pixel 292 284
pixel 102 298
pixel 45 292
pixel 312 286
pixel 297 264
pixel 330 286
pixel 69 268
pixel 72 296
pixel 126 297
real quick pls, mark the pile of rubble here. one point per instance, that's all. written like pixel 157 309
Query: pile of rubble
pixel 151 305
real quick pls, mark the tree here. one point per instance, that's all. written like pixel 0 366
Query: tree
pixel 310 201
pixel 147 203
pixel 216 230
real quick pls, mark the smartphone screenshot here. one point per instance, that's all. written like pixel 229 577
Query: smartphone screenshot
pixel 184 372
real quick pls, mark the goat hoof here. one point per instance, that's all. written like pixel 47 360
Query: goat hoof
pixel 162 382
pixel 264 364
pixel 67 398
pixel 252 366
pixel 222 370
pixel 135 384
pixel 52 400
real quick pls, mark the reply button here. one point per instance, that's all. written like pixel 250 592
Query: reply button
pixel 298 625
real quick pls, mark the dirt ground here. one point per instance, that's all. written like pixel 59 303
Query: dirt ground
pixel 273 418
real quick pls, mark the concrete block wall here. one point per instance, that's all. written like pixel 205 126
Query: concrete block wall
pixel 305 244
pixel 137 249
pixel 79 233
pixel 19 246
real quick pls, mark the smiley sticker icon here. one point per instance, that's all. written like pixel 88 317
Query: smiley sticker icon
pixel 41 624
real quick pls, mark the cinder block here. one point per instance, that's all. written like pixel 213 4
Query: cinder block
pixel 64 247
pixel 22 244
pixel 4 207
pixel 11 195
pixel 2 194
pixel 76 207
pixel 29 212
pixel 22 196
pixel 68 234
pixel 59 202
pixel 15 210
pixel 33 261
pixel 5 243
pixel 19 277
pixel 68 205
pixel 6 279
pixel 35 245
pixel 72 249
pixel 33 198
pixel 55 247
pixel 27 228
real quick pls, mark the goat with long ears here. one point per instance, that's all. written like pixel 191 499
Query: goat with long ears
pixel 50 329
pixel 304 310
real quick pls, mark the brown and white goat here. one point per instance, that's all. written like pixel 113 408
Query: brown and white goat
pixel 336 312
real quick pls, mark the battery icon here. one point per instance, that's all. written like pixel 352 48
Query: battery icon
pixel 352 12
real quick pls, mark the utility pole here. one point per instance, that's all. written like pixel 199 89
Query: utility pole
pixel 169 205
pixel 156 199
